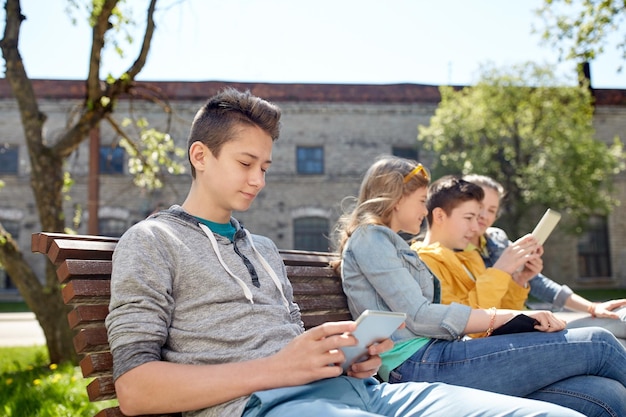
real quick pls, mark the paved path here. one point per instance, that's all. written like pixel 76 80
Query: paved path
pixel 20 329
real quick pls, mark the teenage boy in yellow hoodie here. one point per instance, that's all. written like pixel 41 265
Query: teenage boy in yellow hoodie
pixel 453 209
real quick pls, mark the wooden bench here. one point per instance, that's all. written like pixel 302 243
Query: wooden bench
pixel 84 269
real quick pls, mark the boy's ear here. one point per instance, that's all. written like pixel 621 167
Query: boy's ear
pixel 197 155
pixel 438 215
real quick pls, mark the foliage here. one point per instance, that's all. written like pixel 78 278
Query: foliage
pixel 31 387
pixel 157 151
pixel 121 21
pixel 532 135
pixel 579 30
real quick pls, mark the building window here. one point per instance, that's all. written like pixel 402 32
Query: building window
pixel 8 160
pixel 310 160
pixel 593 250
pixel 112 227
pixel 311 233
pixel 407 152
pixel 6 283
pixel 111 160
pixel 13 228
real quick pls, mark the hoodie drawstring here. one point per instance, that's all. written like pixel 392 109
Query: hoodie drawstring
pixel 242 284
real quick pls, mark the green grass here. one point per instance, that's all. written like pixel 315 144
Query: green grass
pixel 31 387
pixel 13 307
pixel 593 294
pixel 601 295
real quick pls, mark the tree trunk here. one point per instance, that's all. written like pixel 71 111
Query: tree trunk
pixel 43 300
pixel 47 158
pixel 51 312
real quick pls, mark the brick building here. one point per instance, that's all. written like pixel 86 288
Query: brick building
pixel 330 135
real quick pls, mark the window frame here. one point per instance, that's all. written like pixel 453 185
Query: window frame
pixel 111 160
pixel 406 152
pixel 309 164
pixel 594 250
pixel 304 234
pixel 9 160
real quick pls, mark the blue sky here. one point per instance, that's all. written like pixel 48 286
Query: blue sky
pixel 321 41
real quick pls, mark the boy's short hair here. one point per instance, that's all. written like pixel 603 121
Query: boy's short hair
pixel 449 192
pixel 216 122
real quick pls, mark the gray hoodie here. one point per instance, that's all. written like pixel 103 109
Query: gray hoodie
pixel 181 294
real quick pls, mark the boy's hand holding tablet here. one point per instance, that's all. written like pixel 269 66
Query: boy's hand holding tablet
pixel 372 326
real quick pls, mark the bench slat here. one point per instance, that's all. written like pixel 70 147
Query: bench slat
pixel 84 269
pixel 110 412
pixel 82 291
pixel 97 364
pixel 101 389
pixel 62 249
pixel 86 316
pixel 41 242
pixel 115 412
pixel 295 257
pixel 316 304
pixel 296 271
pixel 91 340
pixel 317 319
pixel 316 287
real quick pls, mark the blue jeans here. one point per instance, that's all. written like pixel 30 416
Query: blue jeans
pixel 583 369
pixel 350 397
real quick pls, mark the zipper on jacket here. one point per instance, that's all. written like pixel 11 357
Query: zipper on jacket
pixel 248 264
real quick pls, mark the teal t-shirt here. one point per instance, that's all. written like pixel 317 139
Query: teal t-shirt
pixel 222 229
pixel 398 354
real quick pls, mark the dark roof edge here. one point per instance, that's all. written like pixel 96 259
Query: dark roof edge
pixel 281 92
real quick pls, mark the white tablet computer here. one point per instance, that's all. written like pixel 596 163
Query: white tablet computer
pixel 372 326
pixel 546 225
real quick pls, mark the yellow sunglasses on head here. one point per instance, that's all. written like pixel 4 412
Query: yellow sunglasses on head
pixel 419 169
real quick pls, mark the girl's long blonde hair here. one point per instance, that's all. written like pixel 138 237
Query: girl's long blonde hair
pixel 384 184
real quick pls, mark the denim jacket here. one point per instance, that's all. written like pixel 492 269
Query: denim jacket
pixel 541 287
pixel 381 272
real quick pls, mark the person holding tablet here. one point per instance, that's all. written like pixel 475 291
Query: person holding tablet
pixel 198 298
pixel 380 271
pixel 492 242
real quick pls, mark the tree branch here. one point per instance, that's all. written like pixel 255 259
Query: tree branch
pixel 32 118
pixel 101 25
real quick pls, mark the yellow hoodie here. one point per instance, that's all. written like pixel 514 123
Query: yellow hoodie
pixel 465 279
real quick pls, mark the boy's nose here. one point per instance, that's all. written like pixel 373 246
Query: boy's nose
pixel 257 179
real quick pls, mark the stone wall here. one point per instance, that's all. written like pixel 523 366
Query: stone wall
pixel 352 132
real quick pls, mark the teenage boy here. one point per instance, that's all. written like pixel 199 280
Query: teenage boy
pixel 453 209
pixel 202 315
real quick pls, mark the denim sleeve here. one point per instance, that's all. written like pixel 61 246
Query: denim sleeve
pixel 382 273
pixel 546 290
pixel 497 242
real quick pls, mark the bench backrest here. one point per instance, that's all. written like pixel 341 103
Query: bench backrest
pixel 84 269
